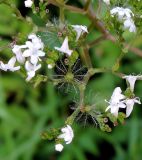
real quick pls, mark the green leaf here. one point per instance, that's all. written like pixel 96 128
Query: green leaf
pixel 50 39
pixel 37 20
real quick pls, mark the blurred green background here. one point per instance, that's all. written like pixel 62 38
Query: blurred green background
pixel 26 111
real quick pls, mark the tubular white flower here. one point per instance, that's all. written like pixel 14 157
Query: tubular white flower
pixel 116 101
pixel 59 147
pixel 114 108
pixel 107 2
pixel 10 65
pixel 129 24
pixel 130 103
pixel 31 69
pixel 28 3
pixel 17 51
pixel 65 47
pixel 79 30
pixel 117 95
pixel 67 134
pixel 34 49
pixel 131 80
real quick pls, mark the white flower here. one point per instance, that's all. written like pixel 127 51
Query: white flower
pixel 59 147
pixel 107 2
pixel 131 80
pixel 17 51
pixel 34 49
pixel 31 69
pixel 130 103
pixel 116 101
pixel 122 13
pixel 28 3
pixel 79 30
pixel 10 65
pixel 129 24
pixel 67 134
pixel 65 47
pixel 36 40
pixel 117 95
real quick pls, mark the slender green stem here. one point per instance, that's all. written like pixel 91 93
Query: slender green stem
pixel 96 41
pixel 62 18
pixel 85 56
pixel 67 7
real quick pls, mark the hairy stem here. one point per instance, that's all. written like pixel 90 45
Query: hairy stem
pixel 82 87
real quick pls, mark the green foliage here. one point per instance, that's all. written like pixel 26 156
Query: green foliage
pixel 26 112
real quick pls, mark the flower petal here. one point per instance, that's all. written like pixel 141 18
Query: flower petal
pixel 27 53
pixel 11 62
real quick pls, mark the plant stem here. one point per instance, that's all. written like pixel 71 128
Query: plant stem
pixel 88 2
pixel 85 56
pixel 62 18
pixel 82 88
pixel 96 41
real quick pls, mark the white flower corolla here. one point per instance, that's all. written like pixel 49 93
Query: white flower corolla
pixel 18 52
pixel 10 65
pixel 31 69
pixel 122 13
pixel 59 147
pixel 131 79
pixel 34 49
pixel 65 47
pixel 28 3
pixel 79 30
pixel 117 95
pixel 67 134
pixel 36 40
pixel 129 105
pixel 107 2
pixel 129 24
pixel 116 101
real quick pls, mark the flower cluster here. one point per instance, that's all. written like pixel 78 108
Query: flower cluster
pixel 118 100
pixel 28 54
pixel 67 135
pixel 124 15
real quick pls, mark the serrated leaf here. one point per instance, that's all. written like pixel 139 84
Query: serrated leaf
pixel 50 39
